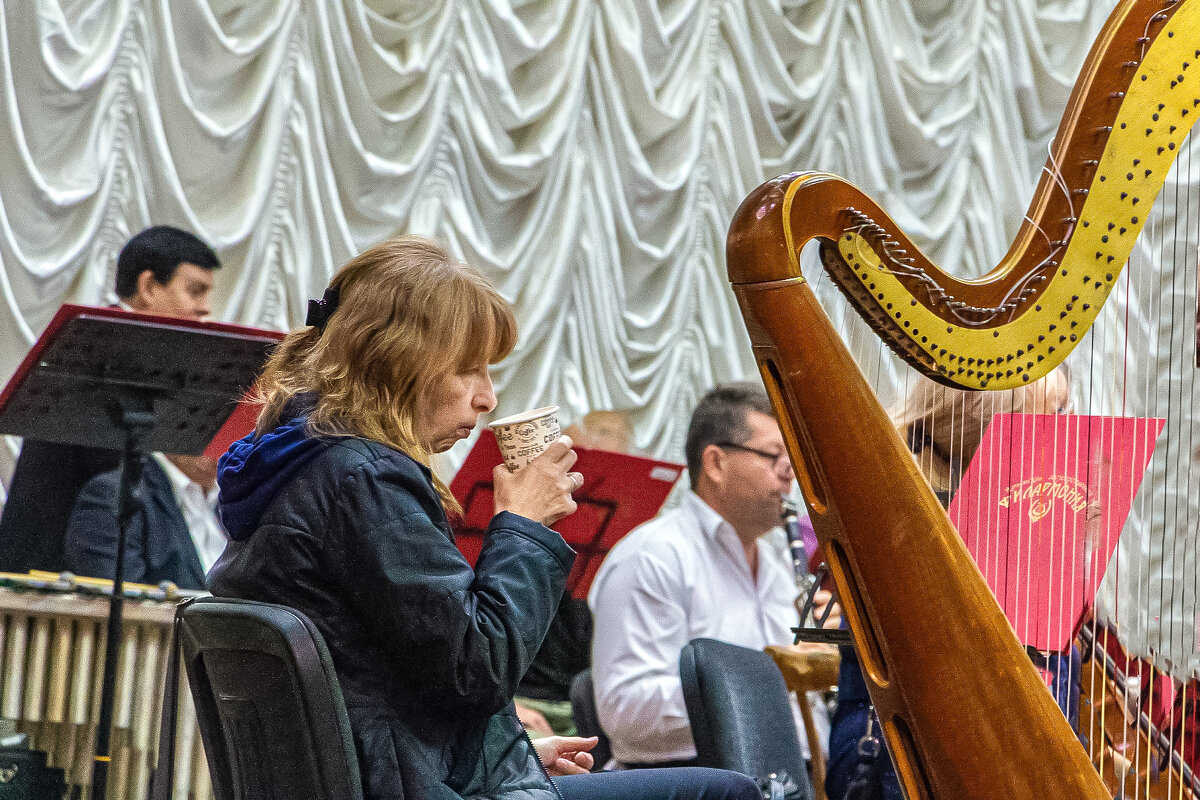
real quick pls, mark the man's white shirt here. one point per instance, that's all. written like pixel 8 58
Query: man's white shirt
pixel 199 509
pixel 681 576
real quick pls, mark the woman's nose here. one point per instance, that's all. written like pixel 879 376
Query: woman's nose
pixel 485 397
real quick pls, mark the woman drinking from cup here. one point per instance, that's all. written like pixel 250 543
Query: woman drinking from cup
pixel 332 510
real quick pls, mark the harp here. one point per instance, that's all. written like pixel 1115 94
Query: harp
pixel 964 712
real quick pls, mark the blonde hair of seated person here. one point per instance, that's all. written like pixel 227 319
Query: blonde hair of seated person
pixel 943 426
pixel 602 430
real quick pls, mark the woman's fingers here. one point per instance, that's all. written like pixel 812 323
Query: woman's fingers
pixel 564 767
pixel 564 755
pixel 559 450
pixel 576 744
pixel 559 455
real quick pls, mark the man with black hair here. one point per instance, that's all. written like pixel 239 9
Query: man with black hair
pixel 701 570
pixel 168 272
pixel 164 271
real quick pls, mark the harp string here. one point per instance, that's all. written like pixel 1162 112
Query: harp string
pixel 1174 410
pixel 1192 515
pixel 1118 337
pixel 1109 380
pixel 1191 512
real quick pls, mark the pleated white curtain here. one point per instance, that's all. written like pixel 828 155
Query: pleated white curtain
pixel 586 154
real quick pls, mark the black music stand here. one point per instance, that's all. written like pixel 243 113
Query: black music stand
pixel 136 383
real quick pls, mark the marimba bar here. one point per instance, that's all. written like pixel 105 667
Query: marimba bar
pixel 51 667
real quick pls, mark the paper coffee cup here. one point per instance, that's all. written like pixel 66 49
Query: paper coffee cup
pixel 522 437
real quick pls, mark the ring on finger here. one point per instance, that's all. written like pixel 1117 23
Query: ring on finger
pixel 576 481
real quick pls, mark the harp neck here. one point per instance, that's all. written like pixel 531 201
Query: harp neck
pixel 1131 109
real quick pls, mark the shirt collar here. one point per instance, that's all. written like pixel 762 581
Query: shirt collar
pixel 179 481
pixel 710 521
pixel 721 534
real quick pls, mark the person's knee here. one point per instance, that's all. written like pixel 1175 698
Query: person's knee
pixel 743 788
pixel 721 784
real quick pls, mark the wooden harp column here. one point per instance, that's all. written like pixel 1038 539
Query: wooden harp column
pixel 964 712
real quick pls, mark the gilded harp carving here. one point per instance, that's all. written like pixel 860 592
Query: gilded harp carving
pixel 964 712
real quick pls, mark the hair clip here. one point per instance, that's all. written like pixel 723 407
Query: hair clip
pixel 319 311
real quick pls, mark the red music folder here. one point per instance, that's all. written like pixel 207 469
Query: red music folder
pixel 619 493
pixel 1040 508
pixel 239 425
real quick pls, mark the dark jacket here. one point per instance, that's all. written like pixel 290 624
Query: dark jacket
pixel 428 652
pixel 45 484
pixel 566 652
pixel 158 546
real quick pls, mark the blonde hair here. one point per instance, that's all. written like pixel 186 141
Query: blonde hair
pixel 407 314
pixel 943 426
pixel 602 430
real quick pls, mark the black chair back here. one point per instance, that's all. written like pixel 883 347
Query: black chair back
pixel 587 721
pixel 741 714
pixel 268 703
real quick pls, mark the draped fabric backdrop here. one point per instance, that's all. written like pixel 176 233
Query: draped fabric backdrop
pixel 587 155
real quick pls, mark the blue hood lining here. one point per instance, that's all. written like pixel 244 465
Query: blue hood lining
pixel 254 470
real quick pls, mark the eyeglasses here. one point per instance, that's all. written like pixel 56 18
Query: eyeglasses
pixel 776 458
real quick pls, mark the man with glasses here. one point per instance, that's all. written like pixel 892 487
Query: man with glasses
pixel 701 570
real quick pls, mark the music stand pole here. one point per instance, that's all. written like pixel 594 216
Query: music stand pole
pixel 139 384
pixel 134 414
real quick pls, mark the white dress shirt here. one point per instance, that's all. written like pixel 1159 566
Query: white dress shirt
pixel 673 579
pixel 199 509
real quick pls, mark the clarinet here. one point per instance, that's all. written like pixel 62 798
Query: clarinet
pixel 800 574
pixel 811 627
pixel 799 553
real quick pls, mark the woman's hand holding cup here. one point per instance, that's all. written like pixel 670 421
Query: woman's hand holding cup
pixel 540 490
pixel 535 480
